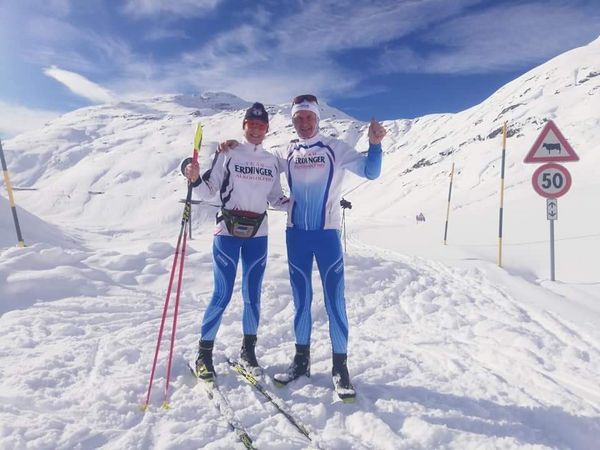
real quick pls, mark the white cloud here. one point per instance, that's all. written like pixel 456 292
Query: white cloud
pixel 244 62
pixel 333 25
pixel 496 39
pixel 276 54
pixel 262 59
pixel 185 8
pixel 15 119
pixel 80 85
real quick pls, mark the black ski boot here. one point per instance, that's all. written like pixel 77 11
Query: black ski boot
pixel 300 366
pixel 248 355
pixel 204 362
pixel 341 378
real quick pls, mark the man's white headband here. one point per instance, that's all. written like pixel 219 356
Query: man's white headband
pixel 307 106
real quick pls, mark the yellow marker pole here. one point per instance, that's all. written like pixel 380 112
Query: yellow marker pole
pixel 448 210
pixel 501 196
pixel 11 198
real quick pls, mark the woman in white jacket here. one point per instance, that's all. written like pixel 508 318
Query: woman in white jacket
pixel 247 181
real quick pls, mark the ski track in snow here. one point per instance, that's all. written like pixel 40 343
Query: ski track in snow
pixel 441 358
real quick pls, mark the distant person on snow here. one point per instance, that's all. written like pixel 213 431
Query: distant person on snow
pixel 315 166
pixel 247 181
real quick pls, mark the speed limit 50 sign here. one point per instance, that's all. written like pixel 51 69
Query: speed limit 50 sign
pixel 551 180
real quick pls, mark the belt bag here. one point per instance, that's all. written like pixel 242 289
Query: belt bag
pixel 242 224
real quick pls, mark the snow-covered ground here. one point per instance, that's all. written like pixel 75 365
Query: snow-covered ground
pixel 447 350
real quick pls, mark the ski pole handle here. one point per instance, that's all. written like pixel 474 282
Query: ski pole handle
pixel 197 142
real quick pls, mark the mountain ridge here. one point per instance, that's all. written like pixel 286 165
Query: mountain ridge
pixel 129 153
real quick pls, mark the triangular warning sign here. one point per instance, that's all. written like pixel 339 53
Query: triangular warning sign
pixel 551 146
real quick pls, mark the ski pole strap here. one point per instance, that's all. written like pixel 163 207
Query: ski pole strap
pixel 242 224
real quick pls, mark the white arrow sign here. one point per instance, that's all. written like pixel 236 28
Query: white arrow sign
pixel 552 209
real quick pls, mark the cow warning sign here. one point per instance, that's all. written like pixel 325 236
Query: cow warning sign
pixel 551 146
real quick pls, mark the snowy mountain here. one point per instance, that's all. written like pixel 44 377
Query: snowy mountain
pixel 446 350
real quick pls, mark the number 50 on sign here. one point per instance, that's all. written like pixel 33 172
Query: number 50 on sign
pixel 551 180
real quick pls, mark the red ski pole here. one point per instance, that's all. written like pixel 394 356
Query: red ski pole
pixel 165 404
pixel 182 233
pixel 144 407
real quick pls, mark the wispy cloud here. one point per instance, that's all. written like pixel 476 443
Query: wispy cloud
pixel 246 63
pixel 334 25
pixel 80 85
pixel 330 47
pixel 500 38
pixel 186 8
pixel 278 56
pixel 15 119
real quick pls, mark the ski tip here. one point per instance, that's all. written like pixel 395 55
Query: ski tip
pixel 246 440
pixel 347 397
pixel 165 405
pixel 143 407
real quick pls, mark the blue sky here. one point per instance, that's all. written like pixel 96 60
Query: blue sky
pixel 388 59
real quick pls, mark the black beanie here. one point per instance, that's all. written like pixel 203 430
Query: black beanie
pixel 257 112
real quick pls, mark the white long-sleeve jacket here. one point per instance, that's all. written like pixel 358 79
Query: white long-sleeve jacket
pixel 315 171
pixel 246 179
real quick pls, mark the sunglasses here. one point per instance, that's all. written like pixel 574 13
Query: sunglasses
pixel 304 98
pixel 261 126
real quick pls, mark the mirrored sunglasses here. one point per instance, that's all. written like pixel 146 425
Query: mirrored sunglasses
pixel 305 98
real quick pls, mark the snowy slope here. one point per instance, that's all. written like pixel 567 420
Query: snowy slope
pixel 446 349
pixel 565 90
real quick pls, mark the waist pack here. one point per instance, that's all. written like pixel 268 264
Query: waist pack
pixel 242 224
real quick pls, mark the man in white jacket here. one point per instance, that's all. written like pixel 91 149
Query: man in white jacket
pixel 315 166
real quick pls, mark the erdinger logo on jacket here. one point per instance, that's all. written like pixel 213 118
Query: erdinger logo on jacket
pixel 253 171
pixel 309 160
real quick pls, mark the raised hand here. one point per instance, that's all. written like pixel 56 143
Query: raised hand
pixel 376 132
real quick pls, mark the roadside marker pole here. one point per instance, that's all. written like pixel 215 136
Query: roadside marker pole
pixel 11 199
pixel 448 210
pixel 501 196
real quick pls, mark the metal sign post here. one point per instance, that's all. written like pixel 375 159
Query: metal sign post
pixel 551 180
pixel 552 215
